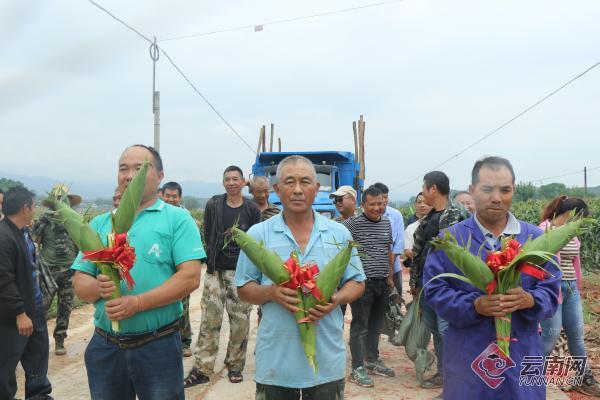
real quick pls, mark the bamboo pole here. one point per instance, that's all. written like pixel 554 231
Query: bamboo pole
pixel 260 133
pixel 271 141
pixel 279 142
pixel 361 130
pixel 355 141
pixel 264 139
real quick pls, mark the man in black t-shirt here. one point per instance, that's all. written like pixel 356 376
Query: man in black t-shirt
pixel 221 213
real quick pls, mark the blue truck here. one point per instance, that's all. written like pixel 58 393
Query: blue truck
pixel 334 169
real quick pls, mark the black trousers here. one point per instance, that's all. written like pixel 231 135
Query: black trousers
pixel 327 391
pixel 32 352
pixel 367 318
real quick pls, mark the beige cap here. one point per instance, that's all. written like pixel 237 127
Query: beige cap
pixel 342 191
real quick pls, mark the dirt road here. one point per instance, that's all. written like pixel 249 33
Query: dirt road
pixel 69 378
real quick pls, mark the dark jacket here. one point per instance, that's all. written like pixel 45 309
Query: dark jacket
pixel 214 232
pixel 16 280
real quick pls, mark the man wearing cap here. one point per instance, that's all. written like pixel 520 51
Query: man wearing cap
pixel 345 202
pixel 57 252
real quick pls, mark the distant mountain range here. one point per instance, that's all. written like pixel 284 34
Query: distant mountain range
pixel 104 190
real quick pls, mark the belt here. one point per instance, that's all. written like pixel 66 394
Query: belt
pixel 137 340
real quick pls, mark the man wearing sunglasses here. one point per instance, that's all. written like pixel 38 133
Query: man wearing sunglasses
pixel 345 202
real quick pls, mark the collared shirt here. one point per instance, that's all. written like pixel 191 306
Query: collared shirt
pixel 512 228
pixel 163 237
pixel 397 222
pixel 409 235
pixel 280 358
pixel 35 274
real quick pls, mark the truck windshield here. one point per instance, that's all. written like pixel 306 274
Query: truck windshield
pixel 325 181
pixel 323 178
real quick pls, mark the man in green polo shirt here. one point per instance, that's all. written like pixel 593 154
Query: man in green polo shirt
pixel 143 358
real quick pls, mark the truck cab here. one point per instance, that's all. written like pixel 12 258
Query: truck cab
pixel 334 169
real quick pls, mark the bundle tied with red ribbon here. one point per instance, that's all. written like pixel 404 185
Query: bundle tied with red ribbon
pixel 502 270
pixel 116 259
pixel 313 285
pixel 120 255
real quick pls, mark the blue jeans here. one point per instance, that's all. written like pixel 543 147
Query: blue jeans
pixel 438 327
pixel 568 316
pixel 153 371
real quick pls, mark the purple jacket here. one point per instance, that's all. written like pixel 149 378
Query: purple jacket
pixel 470 333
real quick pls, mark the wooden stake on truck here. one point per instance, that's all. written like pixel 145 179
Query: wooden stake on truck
pixel 355 141
pixel 361 139
pixel 263 138
pixel 271 141
pixel 260 135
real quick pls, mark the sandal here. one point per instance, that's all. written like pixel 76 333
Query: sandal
pixel 195 377
pixel 235 376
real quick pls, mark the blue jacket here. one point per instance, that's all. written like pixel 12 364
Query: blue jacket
pixel 470 333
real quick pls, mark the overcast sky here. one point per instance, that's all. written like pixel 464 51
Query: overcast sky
pixel 430 77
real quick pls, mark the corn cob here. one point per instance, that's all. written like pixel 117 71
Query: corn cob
pixel 266 260
pixel 327 281
pixel 553 240
pixel 130 201
pixel 473 267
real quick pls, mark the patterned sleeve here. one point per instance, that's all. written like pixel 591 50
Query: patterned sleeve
pixel 417 249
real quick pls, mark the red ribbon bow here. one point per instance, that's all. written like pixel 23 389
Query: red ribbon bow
pixel 121 255
pixel 498 260
pixel 302 276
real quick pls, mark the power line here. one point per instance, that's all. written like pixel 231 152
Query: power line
pixel 178 70
pixel 579 171
pixel 283 21
pixel 206 100
pixel 122 22
pixel 525 111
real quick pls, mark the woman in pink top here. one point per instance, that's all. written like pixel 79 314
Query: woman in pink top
pixel 569 315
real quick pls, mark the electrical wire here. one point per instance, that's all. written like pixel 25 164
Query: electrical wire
pixel 520 114
pixel 283 21
pixel 235 132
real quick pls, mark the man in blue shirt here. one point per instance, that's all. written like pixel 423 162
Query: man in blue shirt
pixel 23 330
pixel 282 369
pixel 143 358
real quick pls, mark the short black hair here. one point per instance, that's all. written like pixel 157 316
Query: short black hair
pixel 233 168
pixel 492 162
pixel 173 186
pixel 158 164
pixel 15 198
pixel 439 179
pixel 417 196
pixel 372 191
pixel 384 189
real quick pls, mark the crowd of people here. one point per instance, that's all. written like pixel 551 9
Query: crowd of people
pixel 143 358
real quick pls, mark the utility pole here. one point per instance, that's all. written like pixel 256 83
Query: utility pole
pixel 154 55
pixel 585 180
